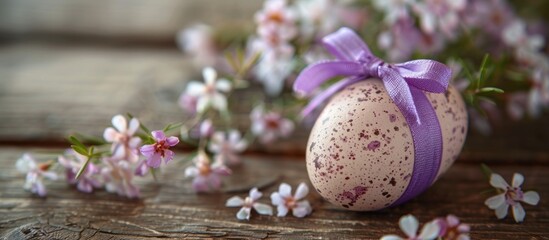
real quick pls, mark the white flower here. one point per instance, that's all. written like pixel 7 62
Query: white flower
pixel 206 176
pixel 276 21
pixel 284 200
pixel 275 64
pixel 198 41
pixel 208 93
pixel 249 203
pixel 409 225
pixel 35 173
pixel 270 126
pixel 124 145
pixel 526 46
pixel 317 17
pixel 394 9
pixel 227 146
pixel 118 178
pixel 511 196
pixel 440 15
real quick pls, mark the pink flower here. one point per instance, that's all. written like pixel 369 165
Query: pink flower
pixel 526 45
pixel 270 126
pixel 227 146
pixel 276 15
pixel 490 15
pixel 142 169
pixel 198 41
pixel 124 145
pixel 394 10
pixel 440 15
pixel 452 229
pixel 35 173
pixel 159 150
pixel 206 128
pixel 188 103
pixel 247 204
pixel 317 17
pixel 72 162
pixel 285 202
pixel 118 176
pixel 511 196
pixel 207 176
pixel 208 94
pixel 409 225
pixel 400 40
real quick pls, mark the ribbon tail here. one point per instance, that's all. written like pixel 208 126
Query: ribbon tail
pixel 399 91
pixel 315 75
pixel 324 95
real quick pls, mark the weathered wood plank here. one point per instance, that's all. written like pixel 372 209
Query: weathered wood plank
pixel 169 209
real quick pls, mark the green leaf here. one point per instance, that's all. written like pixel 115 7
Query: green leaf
pixel 75 141
pixel 80 150
pixel 172 126
pixel 83 167
pixel 491 89
pixel 483 69
pixel 486 170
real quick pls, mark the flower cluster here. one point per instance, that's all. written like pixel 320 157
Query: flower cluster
pixel 441 228
pixel 283 200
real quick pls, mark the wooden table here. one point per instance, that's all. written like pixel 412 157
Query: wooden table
pixel 48 90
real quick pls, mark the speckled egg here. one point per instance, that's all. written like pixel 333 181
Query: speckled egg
pixel 360 153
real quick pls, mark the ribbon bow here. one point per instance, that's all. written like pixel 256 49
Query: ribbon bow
pixel 356 61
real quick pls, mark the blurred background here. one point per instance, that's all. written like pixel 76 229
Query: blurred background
pixel 70 65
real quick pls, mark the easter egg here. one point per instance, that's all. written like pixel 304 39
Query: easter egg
pixel 360 153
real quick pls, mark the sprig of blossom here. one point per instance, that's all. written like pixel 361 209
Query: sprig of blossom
pixel 285 201
pixel 36 172
pixel 206 176
pixel 226 147
pixel 209 93
pixel 124 144
pixel 268 126
pixel 159 150
pixel 73 161
pixel 510 196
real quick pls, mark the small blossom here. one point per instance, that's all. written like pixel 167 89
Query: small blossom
pixel 198 41
pixel 452 229
pixel 317 18
pixel 490 15
pixel 270 126
pixel 249 203
pixel 124 145
pixel 394 10
pixel 511 196
pixel 227 146
pixel 142 169
pixel 207 176
pixel 206 128
pixel 285 202
pixel 209 93
pixel 159 150
pixel 72 162
pixel 277 16
pixel 409 225
pixel 118 176
pixel 440 15
pixel 526 46
pixel 35 173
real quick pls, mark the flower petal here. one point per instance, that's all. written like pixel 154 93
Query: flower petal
pixel 202 104
pixel 110 134
pixel 518 212
pixel 195 89
pixel 276 199
pixel 285 190
pixel 518 179
pixel 281 210
pixel 168 155
pixel 119 122
pixel 223 85
pixel 501 211
pixel 495 201
pixel 263 209
pixel 409 225
pixel 134 125
pixel 172 141
pixel 219 102
pixel 531 198
pixel 302 191
pixel 429 231
pixel 302 209
pixel 154 160
pixel 209 75
pixel 244 213
pixel 255 194
pixel 235 201
pixel 391 237
pixel 147 150
pixel 158 135
pixel 191 171
pixel 497 181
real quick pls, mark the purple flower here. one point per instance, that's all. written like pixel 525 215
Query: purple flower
pixel 409 225
pixel 285 202
pixel 227 146
pixel 159 150
pixel 142 169
pixel 270 126
pixel 207 176
pixel 247 204
pixel 452 229
pixel 72 162
pixel 511 196
pixel 124 145
pixel 35 173
pixel 118 176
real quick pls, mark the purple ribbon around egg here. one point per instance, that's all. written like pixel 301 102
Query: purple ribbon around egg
pixel 405 83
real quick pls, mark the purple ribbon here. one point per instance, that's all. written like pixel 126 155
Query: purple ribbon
pixel 405 84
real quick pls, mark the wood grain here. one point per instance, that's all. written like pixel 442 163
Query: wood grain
pixel 168 208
